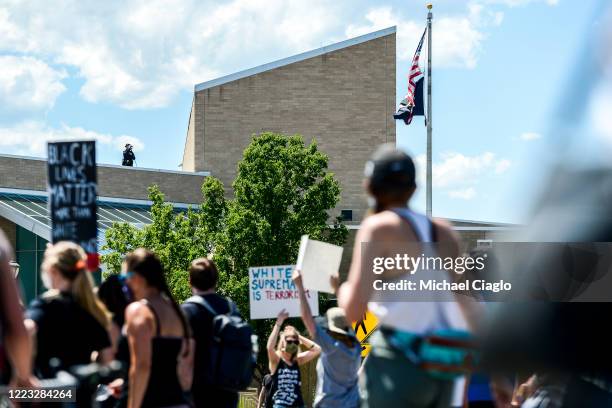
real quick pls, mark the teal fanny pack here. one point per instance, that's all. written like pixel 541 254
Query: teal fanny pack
pixel 444 354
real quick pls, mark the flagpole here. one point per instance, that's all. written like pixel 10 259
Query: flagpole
pixel 428 187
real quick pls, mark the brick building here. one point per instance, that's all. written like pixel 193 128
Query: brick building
pixel 342 95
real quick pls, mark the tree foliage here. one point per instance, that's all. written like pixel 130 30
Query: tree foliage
pixel 177 237
pixel 282 190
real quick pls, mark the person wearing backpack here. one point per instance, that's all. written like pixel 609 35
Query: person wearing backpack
pixel 223 360
pixel 396 372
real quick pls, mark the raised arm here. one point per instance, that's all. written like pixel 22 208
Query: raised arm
pixel 353 295
pixel 304 306
pixel 313 351
pixel 271 345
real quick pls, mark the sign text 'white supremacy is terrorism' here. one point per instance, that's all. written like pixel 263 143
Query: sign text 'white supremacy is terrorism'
pixel 271 290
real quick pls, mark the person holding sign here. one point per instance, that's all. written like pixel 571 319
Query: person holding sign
pixel 284 360
pixel 337 369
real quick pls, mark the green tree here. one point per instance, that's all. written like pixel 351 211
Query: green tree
pixel 282 190
pixel 177 237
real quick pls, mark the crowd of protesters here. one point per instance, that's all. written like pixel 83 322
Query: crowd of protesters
pixel 166 349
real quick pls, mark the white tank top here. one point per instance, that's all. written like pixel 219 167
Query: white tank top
pixel 420 317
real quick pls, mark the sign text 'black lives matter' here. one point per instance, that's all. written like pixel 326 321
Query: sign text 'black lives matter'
pixel 72 193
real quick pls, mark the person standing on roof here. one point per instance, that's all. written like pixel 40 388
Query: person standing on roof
pixel 128 156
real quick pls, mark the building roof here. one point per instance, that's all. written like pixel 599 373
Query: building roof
pixel 116 166
pixel 295 58
pixel 29 210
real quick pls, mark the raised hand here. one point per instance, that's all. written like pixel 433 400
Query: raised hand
pixel 334 281
pixel 296 276
pixel 282 316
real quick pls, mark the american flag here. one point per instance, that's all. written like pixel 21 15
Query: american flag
pixel 415 73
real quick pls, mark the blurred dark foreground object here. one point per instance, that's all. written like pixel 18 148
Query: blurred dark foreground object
pixel 572 340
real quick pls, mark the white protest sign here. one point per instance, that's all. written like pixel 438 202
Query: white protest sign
pixel 318 261
pixel 271 290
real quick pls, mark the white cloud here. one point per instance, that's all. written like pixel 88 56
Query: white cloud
pixel 456 174
pixel 529 136
pixel 599 110
pixel 456 40
pixel 465 194
pixel 517 3
pixel 28 84
pixel 30 138
pixel 456 168
pixel 142 53
pixel 502 166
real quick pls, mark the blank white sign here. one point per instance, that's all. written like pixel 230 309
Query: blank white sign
pixel 318 261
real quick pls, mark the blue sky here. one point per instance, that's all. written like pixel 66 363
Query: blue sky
pixel 124 72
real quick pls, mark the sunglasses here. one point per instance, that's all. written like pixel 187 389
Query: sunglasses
pixel 126 275
pixel 292 341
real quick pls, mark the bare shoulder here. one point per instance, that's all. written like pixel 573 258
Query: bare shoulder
pixel 448 237
pixel 138 316
pixel 383 224
pixel 445 230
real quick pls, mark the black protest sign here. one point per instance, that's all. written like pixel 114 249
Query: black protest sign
pixel 72 186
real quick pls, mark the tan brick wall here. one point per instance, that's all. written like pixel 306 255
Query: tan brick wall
pixel 188 163
pixel 345 99
pixel 9 229
pixel 113 181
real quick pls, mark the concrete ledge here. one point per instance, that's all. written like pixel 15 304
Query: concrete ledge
pixel 30 173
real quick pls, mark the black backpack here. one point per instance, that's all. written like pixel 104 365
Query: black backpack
pixel 232 360
pixel 268 388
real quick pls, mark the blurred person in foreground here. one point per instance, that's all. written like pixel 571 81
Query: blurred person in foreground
pixel 558 340
pixel 337 368
pixel 391 377
pixel 68 322
pixel 284 361
pixel 159 337
pixel 15 344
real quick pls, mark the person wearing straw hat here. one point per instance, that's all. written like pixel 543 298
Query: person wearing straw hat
pixel 338 366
